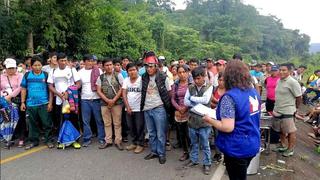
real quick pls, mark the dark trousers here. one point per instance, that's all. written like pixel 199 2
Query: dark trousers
pixel 269 105
pixel 73 118
pixel 182 128
pixel 136 125
pixel 124 124
pixel 237 167
pixel 33 116
pixel 21 130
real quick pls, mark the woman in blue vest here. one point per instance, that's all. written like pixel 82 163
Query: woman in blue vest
pixel 238 120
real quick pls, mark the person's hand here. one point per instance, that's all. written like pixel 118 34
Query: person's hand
pixel 65 94
pixel 61 96
pixel 111 103
pixel 129 110
pixel 8 98
pixel 183 110
pixel 208 119
pixel 49 108
pixel 23 107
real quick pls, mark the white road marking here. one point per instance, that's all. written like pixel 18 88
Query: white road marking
pixel 219 172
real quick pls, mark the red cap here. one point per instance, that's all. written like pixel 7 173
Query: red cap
pixel 151 60
pixel 221 61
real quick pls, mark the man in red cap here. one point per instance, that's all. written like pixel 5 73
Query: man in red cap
pixel 155 101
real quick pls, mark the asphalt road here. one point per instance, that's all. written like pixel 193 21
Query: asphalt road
pixel 92 163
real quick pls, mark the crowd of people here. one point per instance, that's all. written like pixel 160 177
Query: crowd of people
pixel 112 98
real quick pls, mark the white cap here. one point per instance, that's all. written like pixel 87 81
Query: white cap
pixel 161 58
pixel 174 63
pixel 270 62
pixel 10 63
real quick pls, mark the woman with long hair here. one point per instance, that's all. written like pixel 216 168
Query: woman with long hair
pixel 179 89
pixel 238 120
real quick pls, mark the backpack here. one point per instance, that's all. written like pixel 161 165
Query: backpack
pixel 26 75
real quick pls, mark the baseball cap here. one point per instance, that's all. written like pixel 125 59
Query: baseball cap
pixel 274 68
pixel 271 63
pixel 253 63
pixel 221 61
pixel 10 63
pixel 161 58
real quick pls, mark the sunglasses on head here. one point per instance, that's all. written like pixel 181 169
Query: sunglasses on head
pixel 150 65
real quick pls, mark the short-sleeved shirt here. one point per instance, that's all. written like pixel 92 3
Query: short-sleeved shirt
pixel 153 98
pixel 271 84
pixel 85 78
pixel 287 91
pixel 37 89
pixel 62 79
pixel 133 93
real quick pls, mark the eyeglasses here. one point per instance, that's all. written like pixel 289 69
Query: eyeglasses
pixel 150 65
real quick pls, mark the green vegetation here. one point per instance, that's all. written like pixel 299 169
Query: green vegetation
pixel 206 28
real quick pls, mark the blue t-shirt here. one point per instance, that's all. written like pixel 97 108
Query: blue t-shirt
pixel 37 89
pixel 256 74
pixel 124 73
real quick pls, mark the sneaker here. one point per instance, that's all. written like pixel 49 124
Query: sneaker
pixel 162 159
pixel 125 139
pixel 31 145
pixel 20 144
pixel 168 146
pixel 279 149
pixel 131 147
pixel 190 164
pixel 86 144
pixel 288 153
pixel 76 145
pixel 151 156
pixel 50 145
pixel 138 149
pixel 61 146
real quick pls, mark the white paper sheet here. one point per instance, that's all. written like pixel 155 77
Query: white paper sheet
pixel 203 110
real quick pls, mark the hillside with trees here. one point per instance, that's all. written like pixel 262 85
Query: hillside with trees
pixel 206 28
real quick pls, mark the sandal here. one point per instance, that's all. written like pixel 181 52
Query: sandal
pixel 30 146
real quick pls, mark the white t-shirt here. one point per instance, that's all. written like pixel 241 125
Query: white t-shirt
pixel 85 78
pixel 133 93
pixel 47 68
pixel 153 98
pixel 62 79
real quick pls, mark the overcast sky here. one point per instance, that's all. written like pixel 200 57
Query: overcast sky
pixel 294 14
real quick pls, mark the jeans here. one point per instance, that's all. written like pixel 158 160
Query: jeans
pixel 200 135
pixel 157 124
pixel 89 107
pixel 237 167
pixel 136 124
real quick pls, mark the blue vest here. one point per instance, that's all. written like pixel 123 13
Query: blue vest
pixel 244 140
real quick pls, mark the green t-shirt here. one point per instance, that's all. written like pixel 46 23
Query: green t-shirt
pixel 287 91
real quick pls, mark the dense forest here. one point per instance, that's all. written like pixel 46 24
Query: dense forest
pixel 206 28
